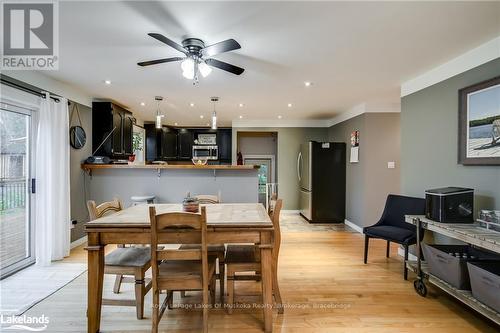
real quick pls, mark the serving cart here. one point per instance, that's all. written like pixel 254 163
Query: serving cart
pixel 472 234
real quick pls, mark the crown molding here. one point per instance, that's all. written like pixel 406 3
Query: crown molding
pixel 480 55
pixel 279 123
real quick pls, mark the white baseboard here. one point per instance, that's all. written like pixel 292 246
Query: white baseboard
pixel 78 242
pixel 353 226
pixel 290 211
pixel 411 257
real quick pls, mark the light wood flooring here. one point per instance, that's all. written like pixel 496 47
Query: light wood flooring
pixel 324 283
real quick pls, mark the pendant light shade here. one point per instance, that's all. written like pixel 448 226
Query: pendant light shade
pixel 214 113
pixel 158 99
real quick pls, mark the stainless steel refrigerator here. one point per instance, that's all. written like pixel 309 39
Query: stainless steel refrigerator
pixel 321 171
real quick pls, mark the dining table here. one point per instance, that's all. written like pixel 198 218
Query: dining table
pixel 226 223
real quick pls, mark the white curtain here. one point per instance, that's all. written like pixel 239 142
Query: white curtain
pixel 52 219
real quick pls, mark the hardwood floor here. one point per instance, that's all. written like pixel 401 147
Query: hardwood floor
pixel 324 284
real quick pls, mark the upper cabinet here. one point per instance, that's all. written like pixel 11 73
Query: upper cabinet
pixel 111 127
pixel 185 138
pixel 224 143
pixel 161 144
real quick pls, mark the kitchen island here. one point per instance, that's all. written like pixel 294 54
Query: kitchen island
pixel 170 183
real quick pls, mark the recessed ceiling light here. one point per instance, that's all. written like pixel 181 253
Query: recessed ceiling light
pixel 107 81
pixel 142 103
pixel 289 105
pixel 241 117
pixel 201 116
pixel 208 124
pixel 175 124
pixel 279 117
pixel 241 105
pixel 191 104
pixel 308 83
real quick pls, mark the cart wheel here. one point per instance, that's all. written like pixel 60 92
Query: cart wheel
pixel 420 287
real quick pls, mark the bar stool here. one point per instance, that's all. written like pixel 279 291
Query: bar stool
pixel 142 199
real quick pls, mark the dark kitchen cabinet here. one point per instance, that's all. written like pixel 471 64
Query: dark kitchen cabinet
pixel 169 143
pixel 161 144
pixel 111 127
pixel 185 138
pixel 224 140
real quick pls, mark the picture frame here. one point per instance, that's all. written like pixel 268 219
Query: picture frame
pixel 479 123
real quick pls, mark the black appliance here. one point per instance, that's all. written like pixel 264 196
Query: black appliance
pixel 321 170
pixel 450 205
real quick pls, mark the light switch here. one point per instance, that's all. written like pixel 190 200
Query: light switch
pixel 391 165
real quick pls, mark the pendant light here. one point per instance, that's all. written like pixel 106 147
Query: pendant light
pixel 158 100
pixel 214 114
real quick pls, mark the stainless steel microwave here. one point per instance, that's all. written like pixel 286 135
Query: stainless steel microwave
pixel 208 152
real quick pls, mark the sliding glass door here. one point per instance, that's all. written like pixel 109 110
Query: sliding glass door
pixel 16 163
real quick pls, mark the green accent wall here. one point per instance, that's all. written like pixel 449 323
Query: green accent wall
pixel 429 139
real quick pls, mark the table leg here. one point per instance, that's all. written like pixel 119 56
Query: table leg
pixel 95 253
pixel 267 280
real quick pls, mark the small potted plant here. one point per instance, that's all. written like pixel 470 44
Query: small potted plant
pixel 136 145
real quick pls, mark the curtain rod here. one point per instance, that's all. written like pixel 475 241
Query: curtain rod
pixel 29 89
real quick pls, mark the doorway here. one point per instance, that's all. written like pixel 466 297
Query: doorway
pixel 261 148
pixel 16 165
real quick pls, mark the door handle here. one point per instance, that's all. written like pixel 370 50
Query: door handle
pixel 299 157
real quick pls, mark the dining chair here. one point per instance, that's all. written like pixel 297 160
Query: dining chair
pixel 180 269
pixel 246 258
pixel 129 264
pixel 392 226
pixel 217 250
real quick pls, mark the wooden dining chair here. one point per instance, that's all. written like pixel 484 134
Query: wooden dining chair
pixel 129 264
pixel 246 258
pixel 217 250
pixel 180 269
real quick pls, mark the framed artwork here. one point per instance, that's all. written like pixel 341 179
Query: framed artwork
pixel 479 124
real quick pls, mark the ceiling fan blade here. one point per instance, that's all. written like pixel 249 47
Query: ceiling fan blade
pixel 225 66
pixel 167 41
pixel 158 61
pixel 221 47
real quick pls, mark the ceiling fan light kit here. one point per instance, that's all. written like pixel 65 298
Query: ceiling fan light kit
pixel 195 52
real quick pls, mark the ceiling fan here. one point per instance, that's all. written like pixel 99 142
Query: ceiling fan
pixel 196 56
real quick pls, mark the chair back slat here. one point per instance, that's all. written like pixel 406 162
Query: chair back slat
pixel 178 221
pixel 208 199
pixel 105 208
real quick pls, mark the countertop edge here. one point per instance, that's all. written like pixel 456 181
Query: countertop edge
pixel 86 166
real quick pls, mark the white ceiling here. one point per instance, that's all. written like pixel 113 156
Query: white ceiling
pixel 353 52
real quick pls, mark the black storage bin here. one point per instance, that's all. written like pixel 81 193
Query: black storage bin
pixel 485 283
pixel 450 268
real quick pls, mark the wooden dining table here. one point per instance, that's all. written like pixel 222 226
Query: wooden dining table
pixel 226 223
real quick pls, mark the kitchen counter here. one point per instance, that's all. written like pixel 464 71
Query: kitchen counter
pixel 88 167
pixel 170 182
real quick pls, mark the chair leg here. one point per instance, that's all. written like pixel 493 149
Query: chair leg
pixel 118 283
pixel 212 291
pixel 388 251
pixel 276 290
pixel 170 297
pixel 230 290
pixel 405 269
pixel 205 310
pixel 156 310
pixel 139 294
pixel 222 278
pixel 367 239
